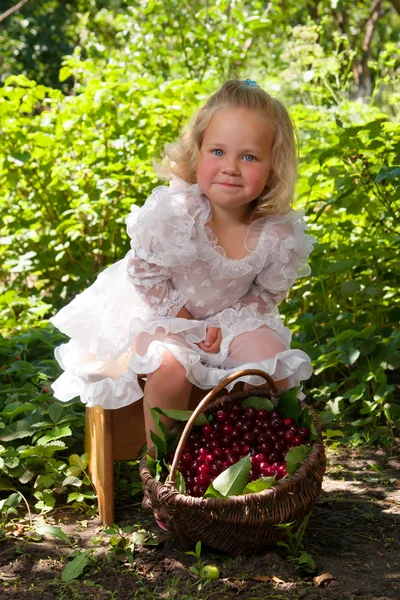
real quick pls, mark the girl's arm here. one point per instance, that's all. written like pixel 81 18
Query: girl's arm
pixel 152 283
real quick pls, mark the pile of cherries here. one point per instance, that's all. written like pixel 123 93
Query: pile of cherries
pixel 233 434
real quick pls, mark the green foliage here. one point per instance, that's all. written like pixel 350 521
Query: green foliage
pixel 38 435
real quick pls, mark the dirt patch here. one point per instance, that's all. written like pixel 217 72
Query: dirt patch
pixel 353 536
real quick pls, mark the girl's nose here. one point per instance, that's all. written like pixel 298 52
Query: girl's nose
pixel 230 167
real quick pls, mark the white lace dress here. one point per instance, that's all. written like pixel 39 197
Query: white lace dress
pixel 122 324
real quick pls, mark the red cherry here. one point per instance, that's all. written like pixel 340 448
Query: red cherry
pixel 289 436
pixel 257 432
pixel 236 408
pixel 245 449
pixel 194 466
pixel 298 440
pixel 275 456
pixel 250 413
pixel 214 435
pixel 246 427
pixel 265 448
pixel 281 471
pixel 195 435
pixel 276 423
pixel 221 416
pixel 275 414
pixel 279 446
pixel 288 422
pixel 210 458
pixel 214 444
pixel 204 468
pixel 264 468
pixel 236 434
pixel 233 416
pixel 203 451
pixel 226 441
pixel 303 431
pixel 186 458
pixel 217 465
pixel 281 434
pixel 231 459
pixel 218 452
pixel 226 428
pixel 260 458
pixel 202 479
pixel 262 414
pixel 248 437
pixel 207 429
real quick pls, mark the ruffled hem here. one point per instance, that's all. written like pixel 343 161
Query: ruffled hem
pixel 293 365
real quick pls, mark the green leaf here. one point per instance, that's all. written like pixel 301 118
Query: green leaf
pixel 307 562
pixel 288 404
pixel 159 444
pixel 181 415
pixel 308 422
pixel 79 461
pixel 71 480
pixel 154 467
pixel 52 531
pixel 180 483
pixel 259 485
pixel 56 411
pixel 258 402
pixel 233 480
pixel 295 456
pixel 76 567
pixel 55 434
pixel 162 430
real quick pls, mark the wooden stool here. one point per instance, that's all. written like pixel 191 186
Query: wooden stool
pixel 113 435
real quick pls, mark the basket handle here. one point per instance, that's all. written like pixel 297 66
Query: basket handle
pixel 199 409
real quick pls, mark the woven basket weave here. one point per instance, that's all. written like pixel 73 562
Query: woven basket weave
pixel 238 524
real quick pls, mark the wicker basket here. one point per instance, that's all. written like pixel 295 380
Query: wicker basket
pixel 238 524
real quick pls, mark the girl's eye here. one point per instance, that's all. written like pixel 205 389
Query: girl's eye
pixel 217 152
pixel 249 157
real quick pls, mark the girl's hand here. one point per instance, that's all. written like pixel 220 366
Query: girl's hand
pixel 213 340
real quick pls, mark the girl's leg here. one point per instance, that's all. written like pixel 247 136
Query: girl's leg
pixel 166 388
pixel 257 345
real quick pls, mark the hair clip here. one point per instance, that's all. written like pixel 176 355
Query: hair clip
pixel 250 83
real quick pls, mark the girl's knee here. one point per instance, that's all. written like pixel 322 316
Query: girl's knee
pixel 171 372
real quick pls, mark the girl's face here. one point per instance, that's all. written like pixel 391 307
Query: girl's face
pixel 235 157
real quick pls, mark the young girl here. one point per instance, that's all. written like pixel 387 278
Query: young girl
pixel 211 256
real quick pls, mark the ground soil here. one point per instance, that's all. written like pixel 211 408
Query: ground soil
pixel 353 536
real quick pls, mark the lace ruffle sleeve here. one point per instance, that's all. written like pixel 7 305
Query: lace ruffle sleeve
pixel 162 238
pixel 286 248
pixel 287 261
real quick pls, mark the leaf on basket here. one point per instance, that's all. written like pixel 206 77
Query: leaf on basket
pixel 159 444
pixel 180 483
pixel 233 480
pixel 289 405
pixel 181 415
pixel 308 421
pixel 258 402
pixel 154 467
pixel 295 456
pixel 162 430
pixel 259 485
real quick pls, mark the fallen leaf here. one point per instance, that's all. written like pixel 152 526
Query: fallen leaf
pixel 263 578
pixel 323 579
pixel 276 579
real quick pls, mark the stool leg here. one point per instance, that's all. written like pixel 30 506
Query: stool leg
pixel 98 444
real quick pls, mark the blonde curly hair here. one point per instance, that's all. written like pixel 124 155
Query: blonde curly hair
pixel 181 157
